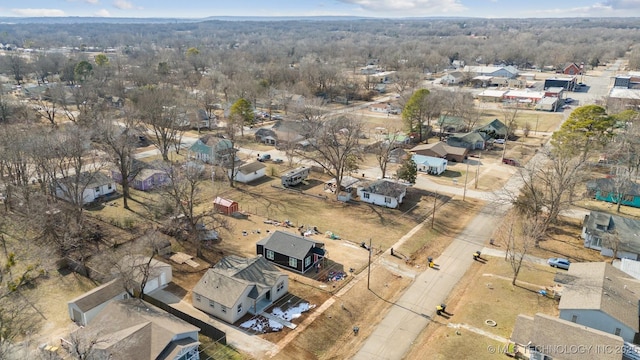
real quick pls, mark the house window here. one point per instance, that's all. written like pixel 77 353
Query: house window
pixel 617 332
pixel 97 189
pixel 596 241
pixel 387 200
pixel 212 303
pixel 574 318
pixel 223 309
pixel 270 254
pixel 239 308
pixel 601 227
pixel 293 262
pixel 365 195
pixel 307 261
pixel 280 286
pixel 109 186
pixel 197 297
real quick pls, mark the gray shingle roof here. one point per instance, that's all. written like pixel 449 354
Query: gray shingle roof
pixel 551 333
pixel 600 286
pixel 230 278
pixel 99 295
pixel 385 188
pixel 627 230
pixel 289 244
pixel 251 167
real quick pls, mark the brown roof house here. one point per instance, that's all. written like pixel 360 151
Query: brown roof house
pixel 441 150
pixel 601 297
pixel 547 337
pixel 134 329
pixel 236 286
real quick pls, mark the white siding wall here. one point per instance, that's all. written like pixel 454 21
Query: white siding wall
pixel 598 320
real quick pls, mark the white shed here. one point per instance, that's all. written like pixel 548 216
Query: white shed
pixel 250 172
pixel 86 306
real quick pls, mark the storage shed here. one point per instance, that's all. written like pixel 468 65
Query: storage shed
pixel 225 206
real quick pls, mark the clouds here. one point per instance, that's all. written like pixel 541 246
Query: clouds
pixel 102 13
pixel 410 7
pixel 37 12
pixel 122 4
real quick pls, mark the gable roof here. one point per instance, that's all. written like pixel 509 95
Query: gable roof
pixel 496 125
pixel 550 333
pixel 292 245
pixel 385 188
pixel 451 120
pixel 230 278
pixel 99 295
pixel 600 286
pixel 88 179
pixel 471 138
pixel 428 160
pixel 627 230
pixel 608 185
pixel 440 148
pixel 251 167
pixel 133 329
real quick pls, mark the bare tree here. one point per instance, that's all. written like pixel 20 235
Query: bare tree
pixel 383 150
pixel 333 144
pixel 522 235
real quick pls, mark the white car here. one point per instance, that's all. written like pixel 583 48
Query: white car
pixel 499 141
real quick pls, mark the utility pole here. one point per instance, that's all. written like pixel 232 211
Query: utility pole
pixel 466 176
pixel 475 185
pixel 433 215
pixel 537 118
pixel 504 148
pixel 369 266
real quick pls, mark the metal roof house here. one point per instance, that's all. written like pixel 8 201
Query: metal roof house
pixel 290 251
pixel 236 286
pixel 430 165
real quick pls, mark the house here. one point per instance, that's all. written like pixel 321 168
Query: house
pixel 607 189
pixel 496 129
pixel 451 123
pixel 236 286
pixel 295 176
pixel 383 192
pixel 612 235
pixel 472 141
pixel 441 150
pixel 128 275
pixel 379 108
pixel 497 71
pixel 249 172
pixel 225 206
pixel 212 150
pixel 266 136
pixel 290 251
pixel 85 307
pixel 601 297
pixel 631 267
pixel 542 336
pixel 572 69
pixel 347 187
pixel 135 329
pixel 143 176
pixel 452 78
pixel 430 165
pixel 86 188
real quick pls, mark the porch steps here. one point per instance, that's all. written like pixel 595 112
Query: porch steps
pixel 279 320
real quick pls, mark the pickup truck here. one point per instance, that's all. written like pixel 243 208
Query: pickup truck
pixel 264 157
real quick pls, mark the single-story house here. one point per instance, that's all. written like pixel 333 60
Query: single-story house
pixel 452 78
pixel 88 188
pixel 441 150
pixel 143 176
pixel 236 286
pixel 225 206
pixel 85 307
pixel 541 336
pixel 496 129
pixel 380 108
pixel 451 123
pixel 127 274
pixel 266 136
pixel 135 329
pixel 348 184
pixel 612 235
pixel 430 165
pixel 601 297
pixel 249 172
pixel 606 189
pixel 472 141
pixel 213 150
pixel 290 251
pixel 383 192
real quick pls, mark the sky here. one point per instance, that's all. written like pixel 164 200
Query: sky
pixel 366 8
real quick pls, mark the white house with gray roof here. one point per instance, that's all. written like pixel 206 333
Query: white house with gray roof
pixel 601 297
pixel 614 236
pixel 249 172
pixel 383 192
pixel 236 286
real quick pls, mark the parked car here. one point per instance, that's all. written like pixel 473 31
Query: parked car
pixel 276 117
pixel 559 263
pixel 277 161
pixel 499 141
pixel 568 100
pixel 264 157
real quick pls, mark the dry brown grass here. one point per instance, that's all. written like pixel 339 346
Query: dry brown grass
pixel 479 297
